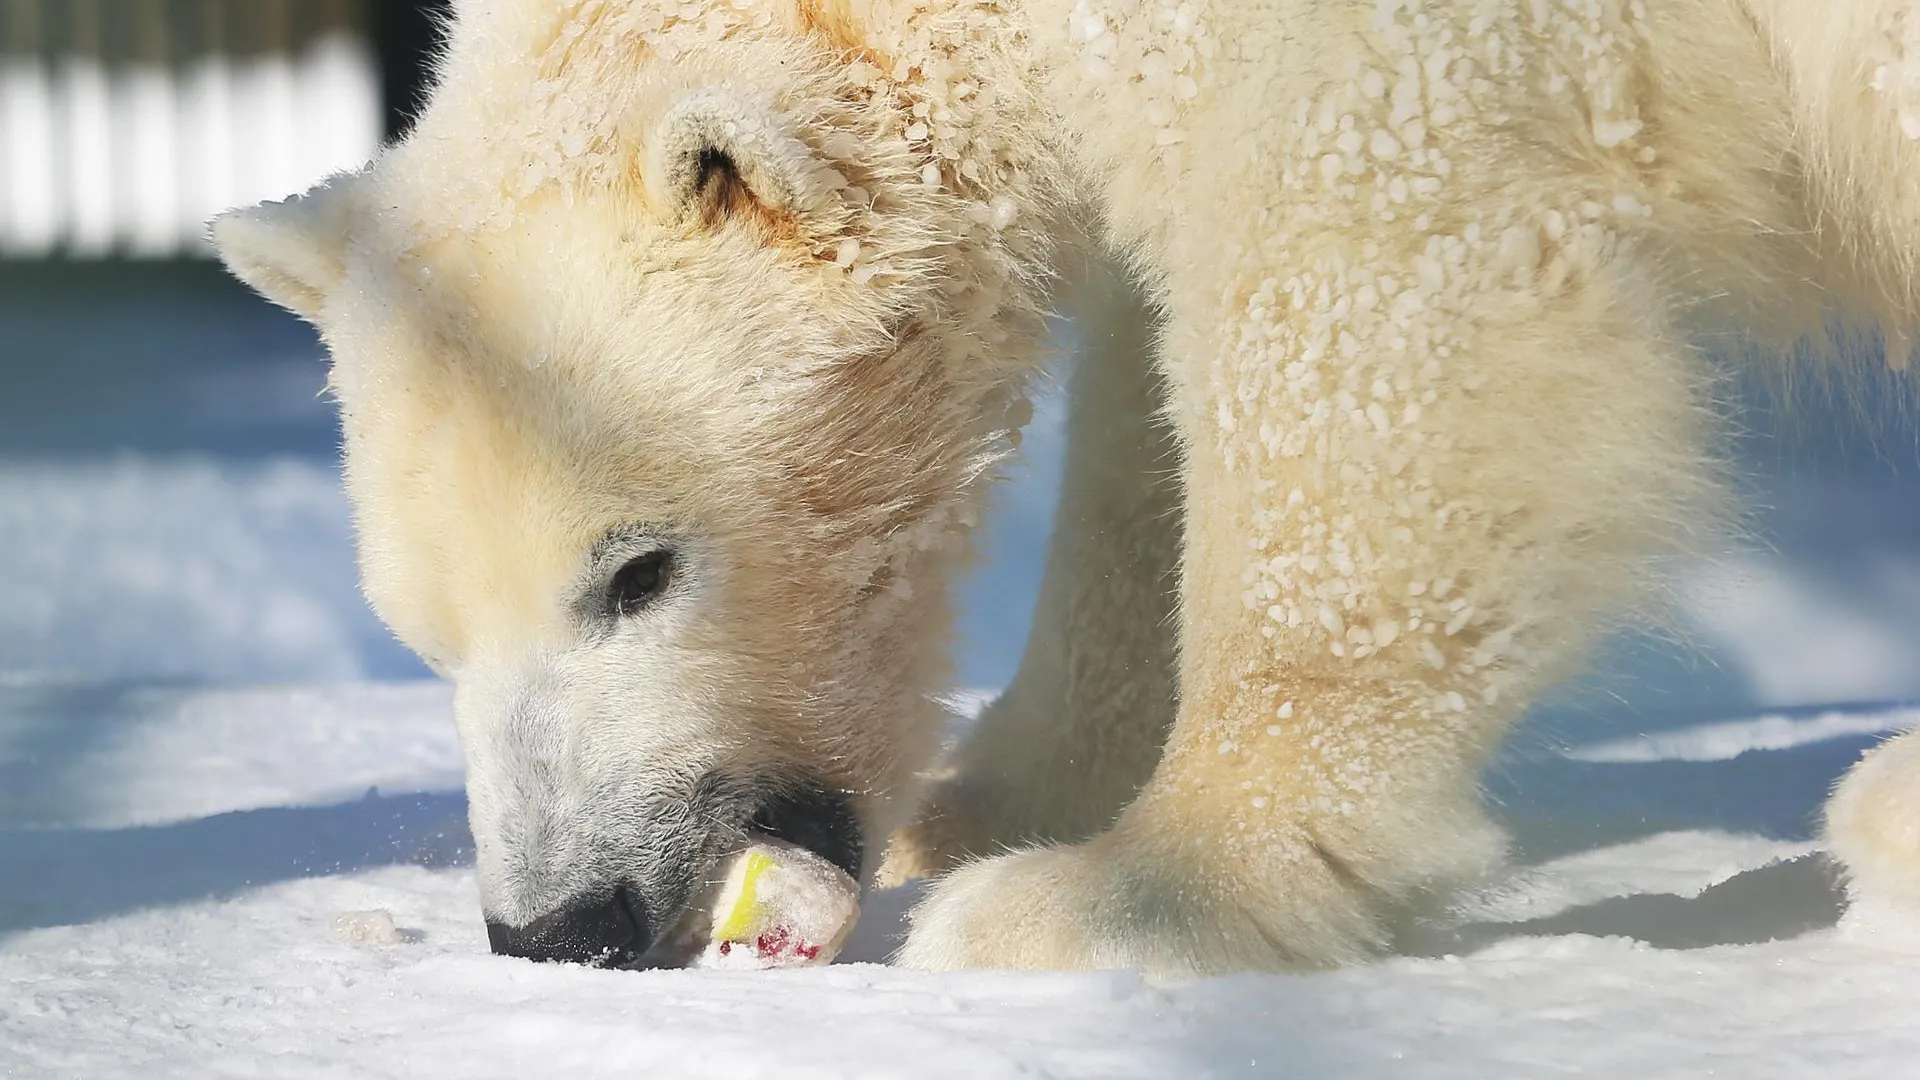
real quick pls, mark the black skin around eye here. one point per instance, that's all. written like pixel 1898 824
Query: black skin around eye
pixel 638 581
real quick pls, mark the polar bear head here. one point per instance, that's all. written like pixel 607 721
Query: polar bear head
pixel 672 348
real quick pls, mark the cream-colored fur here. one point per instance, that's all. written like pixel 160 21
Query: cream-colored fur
pixel 1873 827
pixel 1058 755
pixel 767 278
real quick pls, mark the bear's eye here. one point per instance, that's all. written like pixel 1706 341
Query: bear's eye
pixel 638 581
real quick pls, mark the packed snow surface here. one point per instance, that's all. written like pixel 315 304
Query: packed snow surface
pixel 219 909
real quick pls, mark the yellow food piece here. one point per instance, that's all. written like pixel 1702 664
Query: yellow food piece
pixel 739 925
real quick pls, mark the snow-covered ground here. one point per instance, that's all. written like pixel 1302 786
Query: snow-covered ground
pixel 210 753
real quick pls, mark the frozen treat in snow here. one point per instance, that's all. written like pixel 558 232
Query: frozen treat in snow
pixel 780 906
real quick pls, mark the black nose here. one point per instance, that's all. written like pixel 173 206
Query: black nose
pixel 605 932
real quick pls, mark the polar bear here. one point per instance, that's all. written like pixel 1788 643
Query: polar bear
pixel 678 343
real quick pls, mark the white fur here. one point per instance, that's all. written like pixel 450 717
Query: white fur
pixel 1424 273
pixel 1873 827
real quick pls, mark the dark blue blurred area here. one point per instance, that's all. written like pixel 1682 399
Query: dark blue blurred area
pixel 154 358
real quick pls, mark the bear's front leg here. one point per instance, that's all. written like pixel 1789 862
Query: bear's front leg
pixel 1302 807
pixel 1298 853
pixel 1068 745
pixel 1408 498
pixel 1317 781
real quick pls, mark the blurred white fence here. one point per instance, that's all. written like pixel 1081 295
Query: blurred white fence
pixel 126 124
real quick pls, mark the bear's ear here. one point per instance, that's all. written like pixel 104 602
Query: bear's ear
pixel 293 251
pixel 720 154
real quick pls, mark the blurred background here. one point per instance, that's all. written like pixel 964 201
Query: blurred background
pixel 170 512
pixel 168 506
pixel 126 124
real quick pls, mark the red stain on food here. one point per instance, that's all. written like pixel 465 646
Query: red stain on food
pixel 779 942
